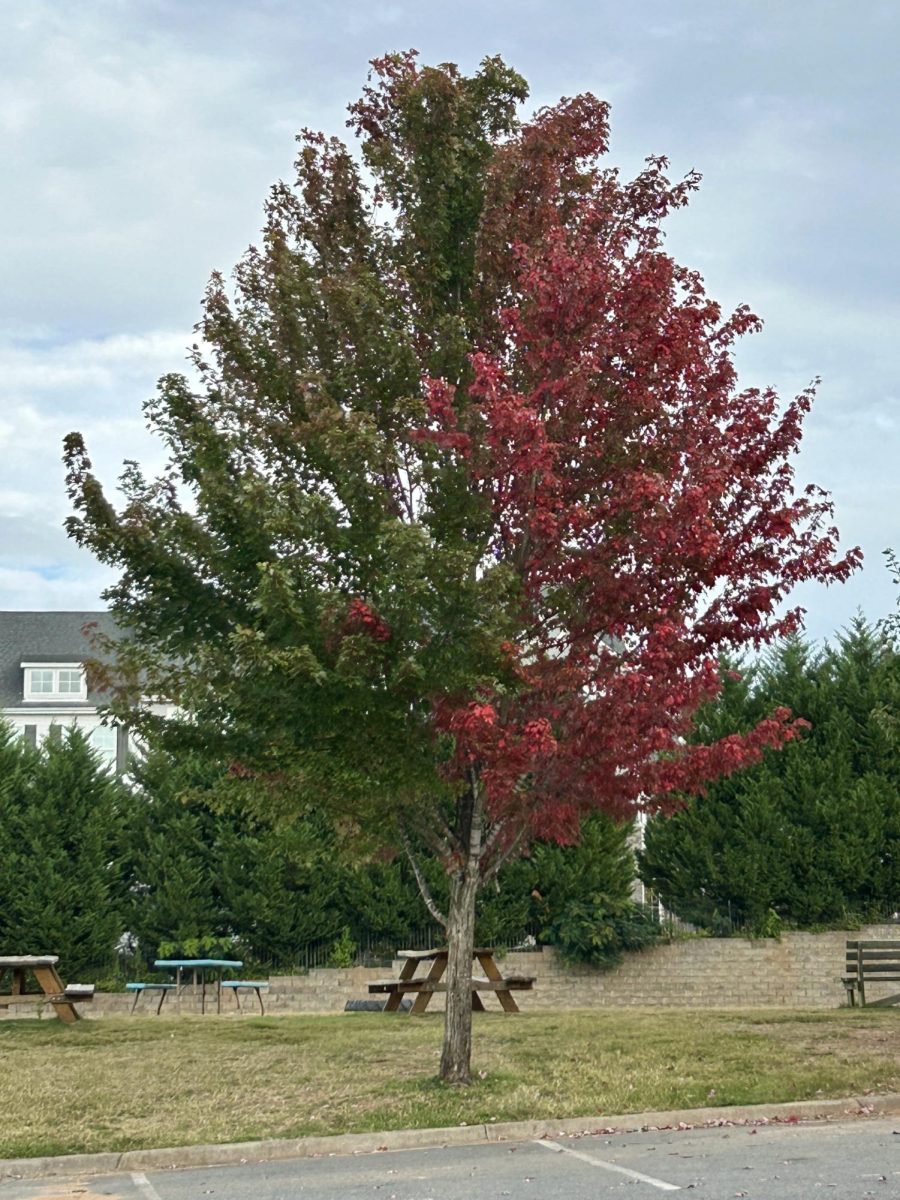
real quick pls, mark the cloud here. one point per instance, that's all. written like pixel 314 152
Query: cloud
pixel 139 141
pixel 29 590
pixel 47 389
pixel 87 371
pixel 141 162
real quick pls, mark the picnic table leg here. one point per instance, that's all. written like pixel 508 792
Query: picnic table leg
pixel 52 985
pixel 492 971
pixel 438 967
pixel 477 1002
pixel 860 976
pixel 406 972
pixel 162 996
pixel 260 999
pixel 178 990
pixel 17 986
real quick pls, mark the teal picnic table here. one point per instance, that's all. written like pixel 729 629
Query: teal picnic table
pixel 200 969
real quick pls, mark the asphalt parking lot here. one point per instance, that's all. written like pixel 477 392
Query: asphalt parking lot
pixel 848 1160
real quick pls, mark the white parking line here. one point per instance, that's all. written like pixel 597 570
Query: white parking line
pixel 144 1186
pixel 608 1166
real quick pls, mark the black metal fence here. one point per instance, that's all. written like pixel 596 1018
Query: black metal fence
pixel 727 920
pixel 378 952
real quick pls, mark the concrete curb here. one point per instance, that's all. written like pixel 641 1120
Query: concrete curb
pixel 235 1153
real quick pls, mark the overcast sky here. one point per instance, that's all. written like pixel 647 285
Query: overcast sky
pixel 139 137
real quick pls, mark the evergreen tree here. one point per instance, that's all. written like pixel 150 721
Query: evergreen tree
pixel 201 868
pixel 61 820
pixel 383 901
pixel 19 766
pixel 582 895
pixel 170 855
pixel 808 836
pixel 280 886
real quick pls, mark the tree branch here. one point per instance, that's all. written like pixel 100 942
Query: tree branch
pixel 476 821
pixel 507 854
pixel 437 834
pixel 421 881
pixel 492 836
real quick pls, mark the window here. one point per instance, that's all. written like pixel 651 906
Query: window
pixel 69 682
pixel 104 739
pixel 42 681
pixel 54 681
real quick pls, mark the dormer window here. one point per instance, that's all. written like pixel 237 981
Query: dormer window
pixel 70 681
pixel 54 681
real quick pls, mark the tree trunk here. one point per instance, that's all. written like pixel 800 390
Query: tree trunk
pixel 456 1057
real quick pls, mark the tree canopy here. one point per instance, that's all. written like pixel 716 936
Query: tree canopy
pixel 463 498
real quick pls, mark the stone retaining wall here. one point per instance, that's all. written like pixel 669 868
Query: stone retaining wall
pixel 799 970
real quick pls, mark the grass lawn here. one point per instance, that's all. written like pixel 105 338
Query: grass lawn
pixel 119 1084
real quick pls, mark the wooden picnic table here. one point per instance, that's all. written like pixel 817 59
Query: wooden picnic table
pixel 425 986
pixel 53 991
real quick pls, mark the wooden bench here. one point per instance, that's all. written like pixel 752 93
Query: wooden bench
pixel 75 991
pixel 140 988
pixel 871 962
pixel 425 986
pixel 255 985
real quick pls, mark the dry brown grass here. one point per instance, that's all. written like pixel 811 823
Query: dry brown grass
pixel 122 1083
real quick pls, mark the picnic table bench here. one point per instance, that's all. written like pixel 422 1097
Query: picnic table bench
pixel 871 962
pixel 423 987
pixel 53 991
pixel 251 985
pixel 141 989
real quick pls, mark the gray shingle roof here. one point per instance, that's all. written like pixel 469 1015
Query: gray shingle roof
pixel 43 637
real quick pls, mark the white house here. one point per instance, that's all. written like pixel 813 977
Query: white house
pixel 42 680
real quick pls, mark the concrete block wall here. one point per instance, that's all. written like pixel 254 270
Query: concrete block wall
pixel 798 970
pixel 324 989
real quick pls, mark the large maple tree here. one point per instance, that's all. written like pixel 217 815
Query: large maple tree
pixel 463 498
